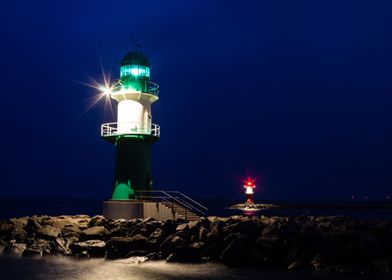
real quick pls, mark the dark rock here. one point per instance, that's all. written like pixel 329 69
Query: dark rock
pixel 15 249
pixel 236 253
pixel 214 251
pixel 48 232
pixel 216 230
pixel 32 226
pixel 185 254
pixel 71 231
pixel 154 256
pixel 92 233
pixel 171 242
pixel 97 221
pixel 119 247
pixel 137 253
pixel 18 234
pixel 20 222
pixel 203 234
pixel 61 246
pixel 149 220
pixel 39 247
pixel 5 229
pixel 94 248
pixel 169 226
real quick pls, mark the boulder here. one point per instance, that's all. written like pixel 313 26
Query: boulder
pixel 119 247
pixel 15 249
pixel 137 253
pixel 71 231
pixel 98 232
pixel 236 253
pixel 94 248
pixel 203 234
pixel 169 226
pixel 97 221
pixel 20 222
pixel 213 251
pixel 48 232
pixel 32 226
pixel 154 256
pixel 185 254
pixel 18 234
pixel 216 230
pixel 61 246
pixel 38 247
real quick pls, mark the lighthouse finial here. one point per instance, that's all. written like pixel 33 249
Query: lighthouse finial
pixel 136 45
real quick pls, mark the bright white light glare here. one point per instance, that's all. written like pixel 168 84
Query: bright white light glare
pixel 102 89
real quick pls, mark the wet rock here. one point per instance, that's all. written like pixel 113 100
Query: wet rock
pixel 214 251
pixel 38 247
pixel 154 256
pixel 185 254
pixel 97 221
pixel 119 247
pixel 15 249
pixel 236 253
pixel 137 253
pixel 48 232
pixel 203 234
pixel 18 234
pixel 61 246
pixel 20 222
pixel 32 226
pixel 92 233
pixel 94 248
pixel 169 226
pixel 216 230
pixel 71 231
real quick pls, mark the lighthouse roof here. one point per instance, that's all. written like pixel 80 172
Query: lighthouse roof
pixel 135 58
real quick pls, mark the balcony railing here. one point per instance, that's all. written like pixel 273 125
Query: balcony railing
pixel 153 88
pixel 114 128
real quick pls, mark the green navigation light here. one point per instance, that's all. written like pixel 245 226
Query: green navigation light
pixel 135 71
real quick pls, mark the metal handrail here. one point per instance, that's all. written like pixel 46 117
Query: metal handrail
pixel 187 205
pixel 153 87
pixel 110 129
pixel 187 197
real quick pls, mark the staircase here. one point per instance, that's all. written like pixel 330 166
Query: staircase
pixel 181 212
pixel 181 205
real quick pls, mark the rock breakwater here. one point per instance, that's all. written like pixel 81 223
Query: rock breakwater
pixel 334 244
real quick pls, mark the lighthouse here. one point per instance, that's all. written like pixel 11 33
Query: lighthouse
pixel 132 136
pixel 133 133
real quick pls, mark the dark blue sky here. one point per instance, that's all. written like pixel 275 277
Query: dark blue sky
pixel 295 92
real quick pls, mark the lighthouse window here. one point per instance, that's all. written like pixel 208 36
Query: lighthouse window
pixel 135 70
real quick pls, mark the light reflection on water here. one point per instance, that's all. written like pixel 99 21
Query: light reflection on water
pixel 64 268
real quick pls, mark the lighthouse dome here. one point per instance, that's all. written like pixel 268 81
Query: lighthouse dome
pixel 135 58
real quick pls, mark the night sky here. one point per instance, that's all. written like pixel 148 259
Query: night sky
pixel 297 93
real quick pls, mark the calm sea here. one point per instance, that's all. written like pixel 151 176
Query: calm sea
pixel 27 207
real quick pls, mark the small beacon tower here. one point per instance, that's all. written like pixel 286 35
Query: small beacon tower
pixel 133 133
pixel 249 191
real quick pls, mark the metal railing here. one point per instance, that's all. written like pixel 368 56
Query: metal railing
pixel 115 128
pixel 173 197
pixel 153 88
